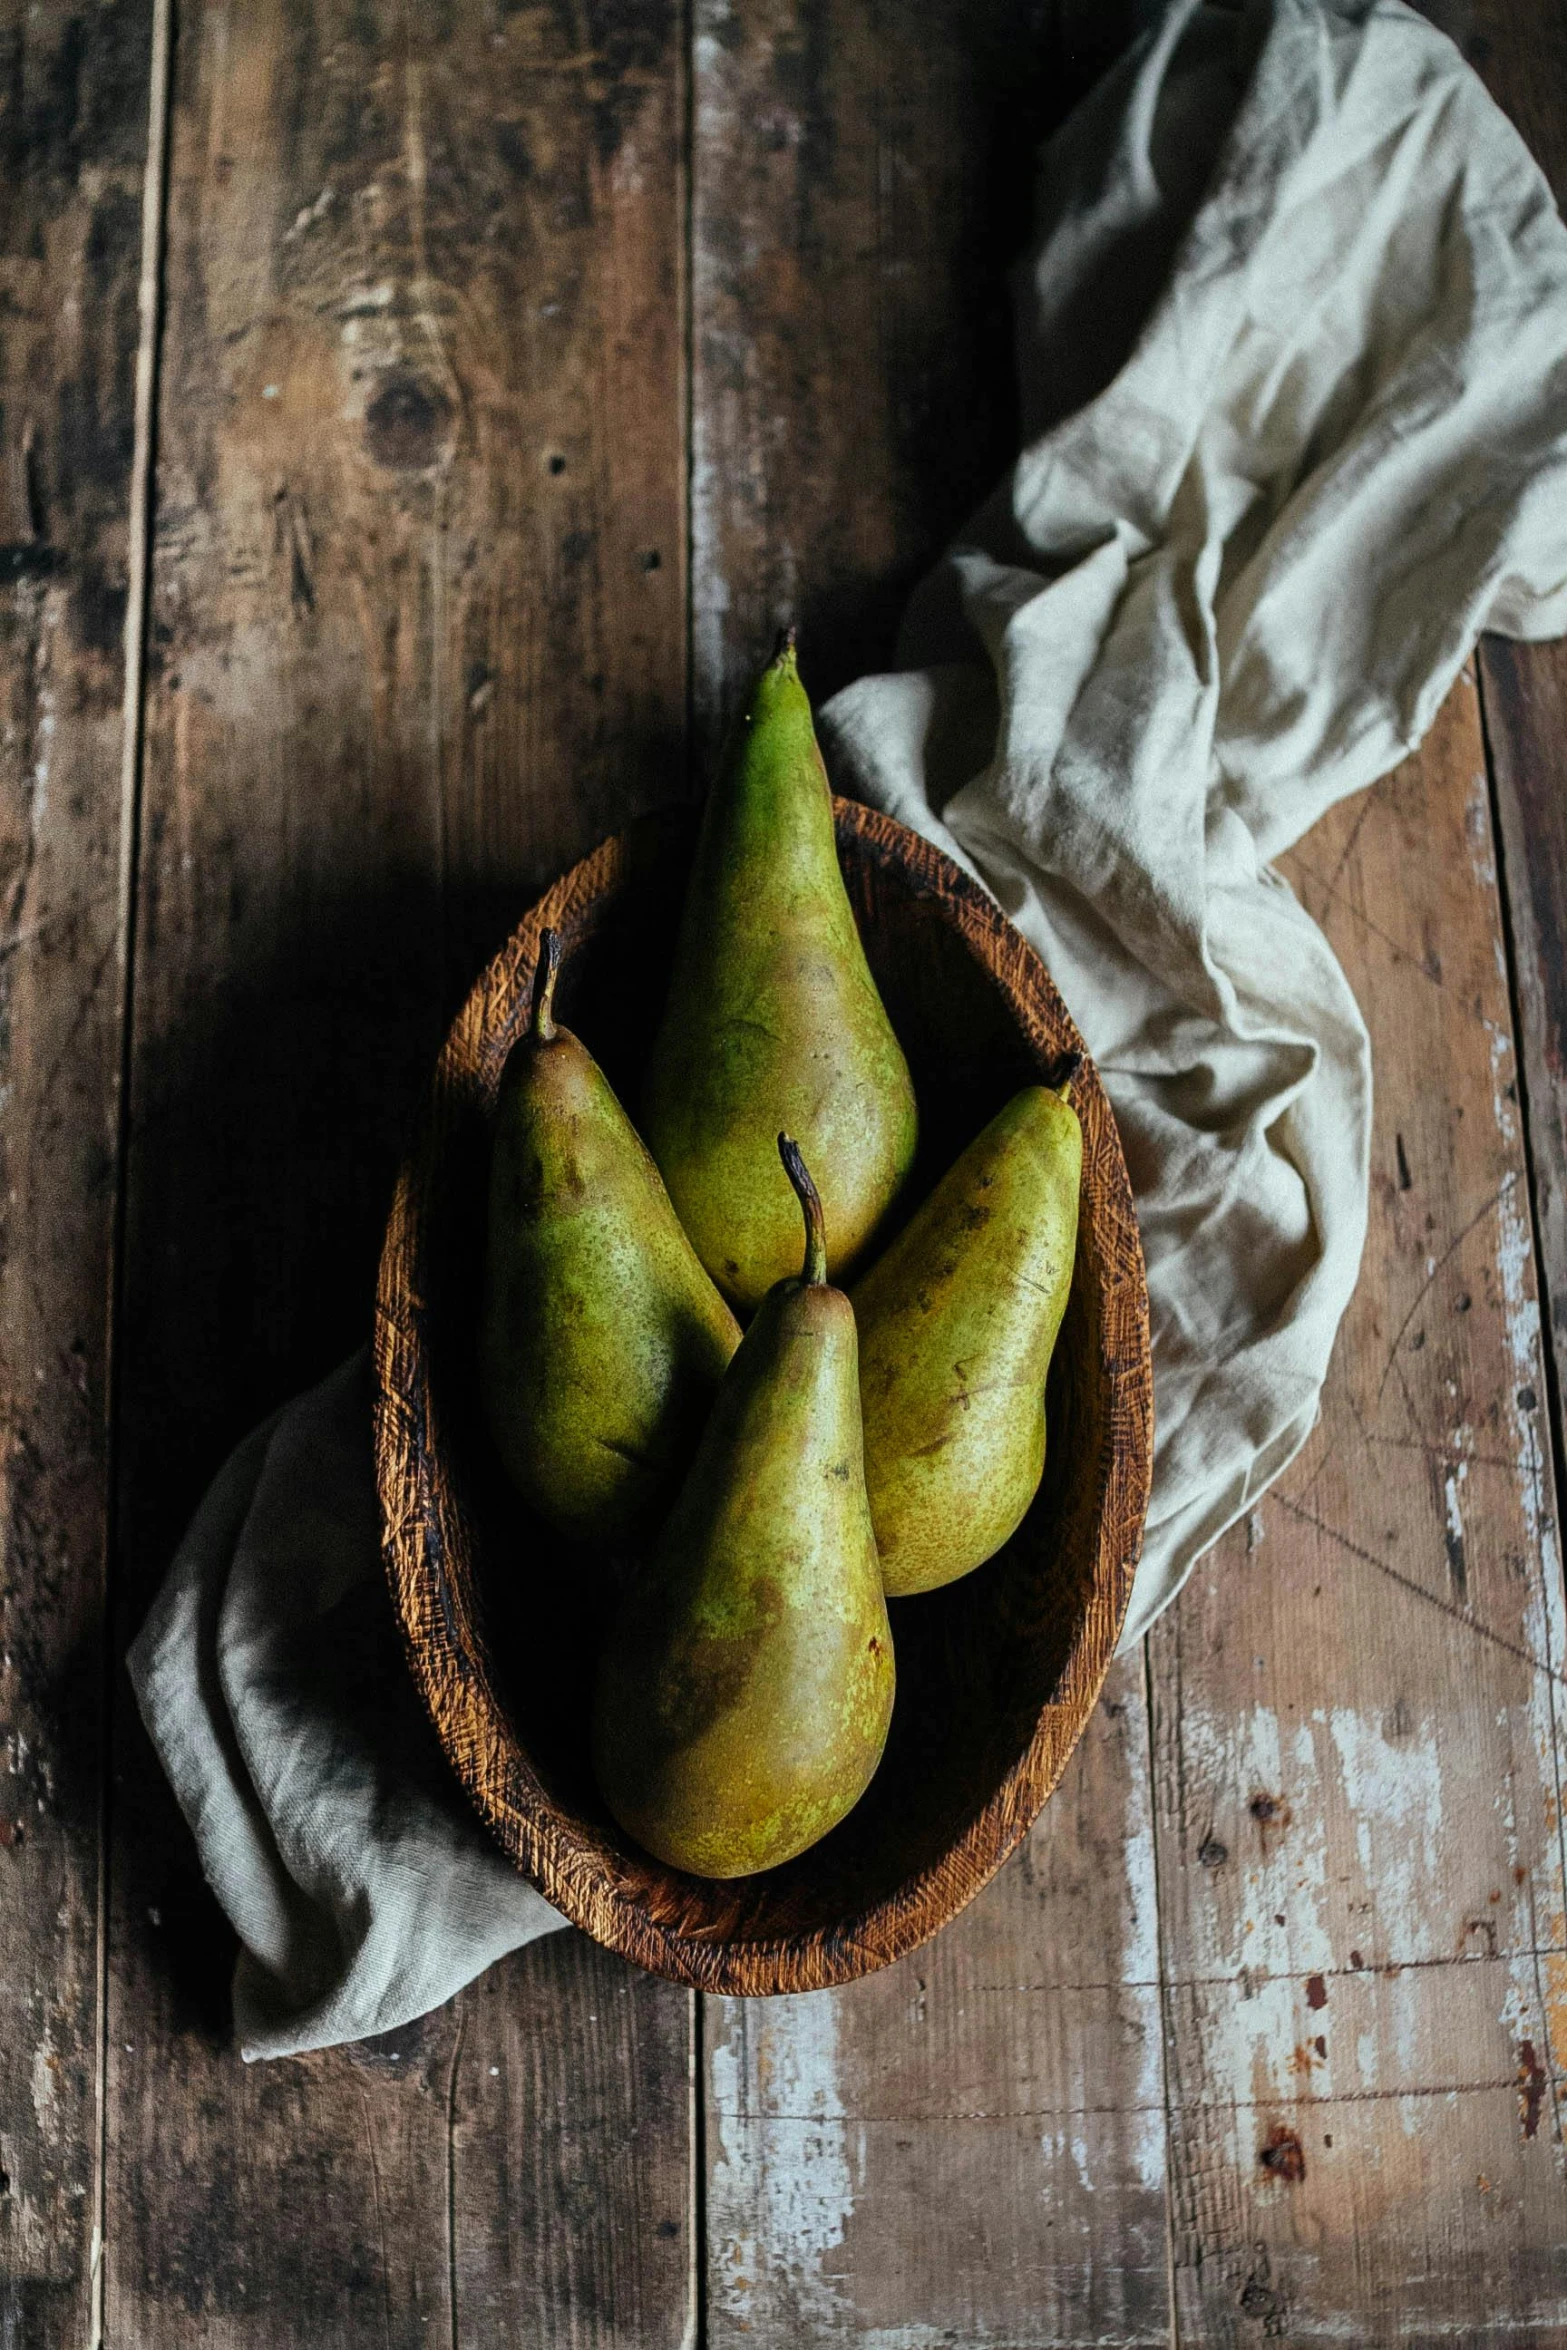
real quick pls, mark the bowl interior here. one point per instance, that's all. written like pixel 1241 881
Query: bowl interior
pixel 994 1670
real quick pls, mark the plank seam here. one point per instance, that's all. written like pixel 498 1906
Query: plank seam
pixel 694 2336
pixel 451 2171
pixel 149 302
pixel 695 2332
pixel 1166 2021
pixel 1553 1389
pixel 1547 1347
pixel 1030 2113
pixel 1263 1975
pixel 415 167
pixel 685 247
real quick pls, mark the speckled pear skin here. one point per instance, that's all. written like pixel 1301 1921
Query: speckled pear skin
pixel 602 1341
pixel 957 1323
pixel 773 1019
pixel 745 1690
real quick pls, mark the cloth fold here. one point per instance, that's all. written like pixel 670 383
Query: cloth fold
pixel 364 1888
pixel 1293 345
pixel 1298 434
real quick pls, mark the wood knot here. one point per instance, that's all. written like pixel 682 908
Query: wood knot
pixel 1282 2155
pixel 405 424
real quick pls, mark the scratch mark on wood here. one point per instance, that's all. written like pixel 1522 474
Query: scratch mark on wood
pixel 1454 1245
pixel 1434 1599
pixel 451 2172
pixel 1426 965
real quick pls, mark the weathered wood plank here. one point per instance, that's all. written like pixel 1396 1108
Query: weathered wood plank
pixel 417 636
pixel 73 134
pixel 1524 689
pixel 859 181
pixel 1357 1701
pixel 968 2148
pixel 573 2192
pixel 1520 50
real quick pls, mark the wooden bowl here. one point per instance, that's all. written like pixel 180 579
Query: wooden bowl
pixel 997 1674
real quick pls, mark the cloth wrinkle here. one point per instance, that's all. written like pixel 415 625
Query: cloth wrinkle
pixel 1292 351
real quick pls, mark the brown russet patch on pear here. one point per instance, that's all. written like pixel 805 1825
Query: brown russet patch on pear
pixel 773 1019
pixel 961 978
pixel 954 1368
pixel 745 1692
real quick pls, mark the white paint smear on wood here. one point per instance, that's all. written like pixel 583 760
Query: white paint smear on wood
pixel 1544 1625
pixel 780 2194
pixel 1393 1790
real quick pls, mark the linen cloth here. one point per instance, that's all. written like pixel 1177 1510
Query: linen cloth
pixel 1295 437
pixel 1294 383
pixel 363 1886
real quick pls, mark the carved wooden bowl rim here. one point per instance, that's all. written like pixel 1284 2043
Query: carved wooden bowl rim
pixel 424 1529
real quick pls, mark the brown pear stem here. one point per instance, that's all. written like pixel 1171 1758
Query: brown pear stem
pixel 1064 1074
pixel 814 1271
pixel 786 642
pixel 545 976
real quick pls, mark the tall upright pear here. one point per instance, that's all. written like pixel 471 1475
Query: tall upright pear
pixel 957 1324
pixel 746 1687
pixel 602 1340
pixel 773 1019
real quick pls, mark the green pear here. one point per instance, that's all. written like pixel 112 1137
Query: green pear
pixel 602 1340
pixel 957 1322
pixel 745 1690
pixel 773 1018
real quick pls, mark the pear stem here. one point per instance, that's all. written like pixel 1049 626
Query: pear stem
pixel 548 971
pixel 814 1271
pixel 1065 1071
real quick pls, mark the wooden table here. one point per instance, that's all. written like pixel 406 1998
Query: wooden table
pixel 444 403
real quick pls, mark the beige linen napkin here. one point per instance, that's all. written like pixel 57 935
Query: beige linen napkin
pixel 362 1884
pixel 1295 438
pixel 1294 361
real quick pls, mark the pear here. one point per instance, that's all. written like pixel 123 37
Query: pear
pixel 773 1018
pixel 957 1324
pixel 602 1340
pixel 745 1690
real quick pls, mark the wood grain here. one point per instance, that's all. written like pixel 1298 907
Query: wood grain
pixel 420 425
pixel 573 2189
pixel 1524 688
pixel 73 132
pixel 1520 50
pixel 861 183
pixel 997 1673
pixel 1357 1700
pixel 948 2151
pixel 860 180
pixel 413 653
